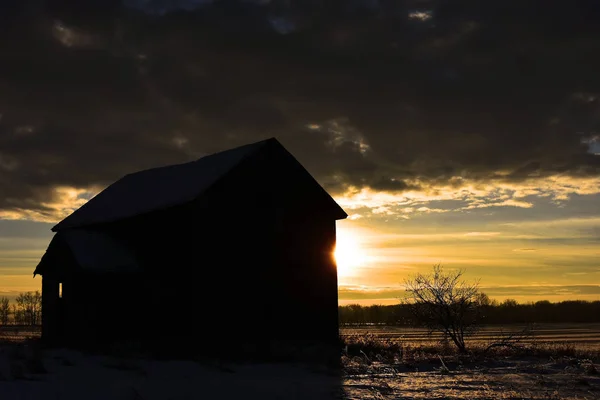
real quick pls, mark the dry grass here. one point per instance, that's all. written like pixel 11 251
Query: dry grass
pixel 386 368
pixel 388 349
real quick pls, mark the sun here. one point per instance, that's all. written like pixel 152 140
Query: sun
pixel 349 254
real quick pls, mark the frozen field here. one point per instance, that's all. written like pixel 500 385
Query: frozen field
pixel 29 373
pixel 71 375
pixel 581 335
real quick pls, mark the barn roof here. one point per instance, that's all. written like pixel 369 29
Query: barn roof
pixel 92 251
pixel 156 188
pixel 163 187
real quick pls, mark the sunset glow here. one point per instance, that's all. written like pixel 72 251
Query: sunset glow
pixel 349 254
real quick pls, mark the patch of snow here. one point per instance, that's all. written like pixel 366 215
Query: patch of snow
pixel 72 375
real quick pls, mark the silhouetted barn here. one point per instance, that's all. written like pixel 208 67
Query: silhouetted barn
pixel 234 247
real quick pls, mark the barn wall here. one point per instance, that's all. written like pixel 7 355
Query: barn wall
pixel 310 278
pixel 50 310
pixel 267 254
pixel 58 271
pixel 141 302
pixel 99 309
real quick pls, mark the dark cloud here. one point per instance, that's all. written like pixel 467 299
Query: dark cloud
pixel 378 94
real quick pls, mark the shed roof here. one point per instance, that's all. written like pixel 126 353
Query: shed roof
pixel 96 251
pixel 160 188
pixel 92 251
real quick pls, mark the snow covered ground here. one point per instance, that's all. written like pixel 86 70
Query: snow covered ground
pixel 27 373
pixel 66 375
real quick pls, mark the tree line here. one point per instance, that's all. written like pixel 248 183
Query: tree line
pixel 492 312
pixel 26 309
pixel 442 301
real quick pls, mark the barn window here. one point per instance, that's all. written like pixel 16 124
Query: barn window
pixel 60 290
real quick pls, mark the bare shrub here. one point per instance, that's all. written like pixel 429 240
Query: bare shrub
pixel 444 302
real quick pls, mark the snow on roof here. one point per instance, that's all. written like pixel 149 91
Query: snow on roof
pixel 157 188
pixel 98 252
pixel 92 251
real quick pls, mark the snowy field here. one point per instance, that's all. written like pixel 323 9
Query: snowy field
pixel 62 374
pixel 28 374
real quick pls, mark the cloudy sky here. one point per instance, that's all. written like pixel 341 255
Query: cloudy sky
pixel 459 132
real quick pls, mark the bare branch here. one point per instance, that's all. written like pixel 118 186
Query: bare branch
pixel 445 303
